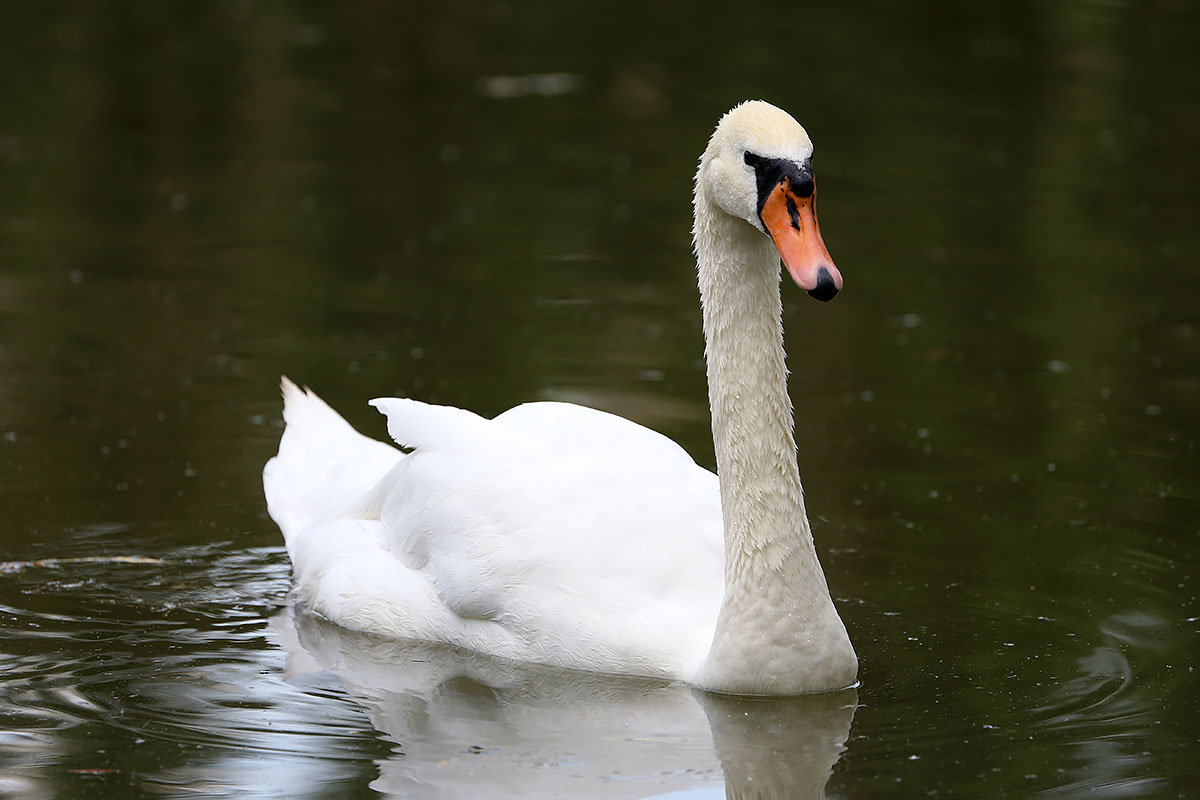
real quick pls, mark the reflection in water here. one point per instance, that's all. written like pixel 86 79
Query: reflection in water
pixel 467 726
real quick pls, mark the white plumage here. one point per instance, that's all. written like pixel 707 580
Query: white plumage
pixel 563 535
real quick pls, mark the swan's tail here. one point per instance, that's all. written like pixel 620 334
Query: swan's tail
pixel 324 467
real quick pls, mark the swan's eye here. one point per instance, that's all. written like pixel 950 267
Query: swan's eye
pixel 752 159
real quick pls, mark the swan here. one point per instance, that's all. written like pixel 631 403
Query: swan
pixel 562 535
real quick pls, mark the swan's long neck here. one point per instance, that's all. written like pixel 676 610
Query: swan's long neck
pixel 778 630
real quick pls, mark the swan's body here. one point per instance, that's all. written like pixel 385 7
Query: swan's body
pixel 563 535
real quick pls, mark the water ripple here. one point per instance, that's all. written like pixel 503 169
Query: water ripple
pixel 175 654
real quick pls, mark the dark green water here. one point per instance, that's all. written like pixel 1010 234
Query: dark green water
pixel 480 204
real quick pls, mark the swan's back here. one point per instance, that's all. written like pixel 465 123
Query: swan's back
pixel 553 533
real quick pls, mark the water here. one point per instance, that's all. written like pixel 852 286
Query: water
pixel 479 205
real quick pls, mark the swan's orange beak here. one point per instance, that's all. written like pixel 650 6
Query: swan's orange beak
pixel 791 218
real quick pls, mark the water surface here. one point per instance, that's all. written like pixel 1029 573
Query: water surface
pixel 996 418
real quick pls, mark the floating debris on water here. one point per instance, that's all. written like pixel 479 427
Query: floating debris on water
pixel 56 563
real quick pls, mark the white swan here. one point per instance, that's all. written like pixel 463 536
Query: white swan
pixel 562 535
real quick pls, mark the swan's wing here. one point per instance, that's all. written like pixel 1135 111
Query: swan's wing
pixel 414 424
pixel 593 536
pixel 568 428
pixel 553 533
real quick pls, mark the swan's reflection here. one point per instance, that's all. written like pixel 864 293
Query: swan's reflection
pixel 470 726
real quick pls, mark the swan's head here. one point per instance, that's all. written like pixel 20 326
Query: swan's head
pixel 758 167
